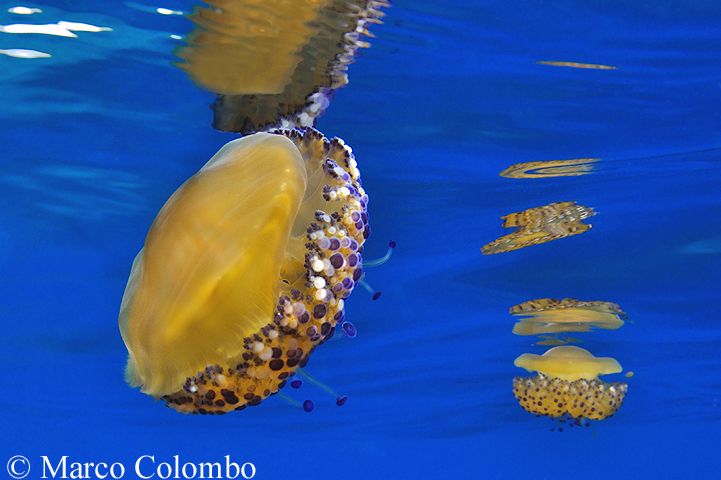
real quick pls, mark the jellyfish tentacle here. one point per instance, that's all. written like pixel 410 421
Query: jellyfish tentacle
pixel 377 262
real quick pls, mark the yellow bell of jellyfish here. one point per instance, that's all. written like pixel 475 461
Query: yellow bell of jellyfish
pixel 567 384
pixel 245 271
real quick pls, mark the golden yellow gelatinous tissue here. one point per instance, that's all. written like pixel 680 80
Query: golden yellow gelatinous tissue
pixel 245 271
pixel 541 225
pixel 567 384
pixel 275 63
pixel 548 315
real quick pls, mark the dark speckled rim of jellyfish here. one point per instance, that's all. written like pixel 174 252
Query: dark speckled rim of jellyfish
pixel 304 317
pixel 336 34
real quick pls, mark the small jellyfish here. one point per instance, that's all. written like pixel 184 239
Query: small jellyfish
pixel 541 225
pixel 567 384
pixel 236 283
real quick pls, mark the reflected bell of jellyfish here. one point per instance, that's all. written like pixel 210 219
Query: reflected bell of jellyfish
pixel 550 168
pixel 274 63
pixel 549 316
pixel 245 271
pixel 567 385
pixel 541 225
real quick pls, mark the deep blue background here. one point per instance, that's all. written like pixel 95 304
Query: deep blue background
pixel 95 139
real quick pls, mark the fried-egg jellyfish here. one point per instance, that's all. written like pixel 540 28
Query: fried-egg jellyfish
pixel 245 271
pixel 567 384
pixel 275 63
pixel 548 315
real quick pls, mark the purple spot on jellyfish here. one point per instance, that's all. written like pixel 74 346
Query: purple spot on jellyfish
pixel 319 310
pixel 308 405
pixel 349 329
pixel 336 260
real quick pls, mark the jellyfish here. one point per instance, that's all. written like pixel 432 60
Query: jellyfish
pixel 567 384
pixel 550 168
pixel 245 270
pixel 541 225
pixel 547 315
pixel 275 63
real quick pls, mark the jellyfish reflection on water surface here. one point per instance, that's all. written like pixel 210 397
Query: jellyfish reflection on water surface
pixel 275 63
pixel 541 225
pixel 548 316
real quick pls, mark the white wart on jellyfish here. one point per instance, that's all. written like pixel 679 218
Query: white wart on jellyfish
pixel 566 385
pixel 247 266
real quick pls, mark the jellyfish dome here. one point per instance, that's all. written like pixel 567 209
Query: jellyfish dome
pixel 567 384
pixel 245 271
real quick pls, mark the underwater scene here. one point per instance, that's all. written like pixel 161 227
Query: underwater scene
pixel 352 239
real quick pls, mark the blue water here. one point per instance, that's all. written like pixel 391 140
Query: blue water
pixel 96 138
